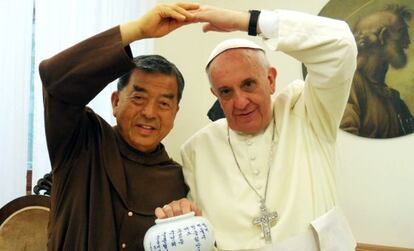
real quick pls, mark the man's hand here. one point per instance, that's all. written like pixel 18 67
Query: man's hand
pixel 221 20
pixel 177 207
pixel 158 22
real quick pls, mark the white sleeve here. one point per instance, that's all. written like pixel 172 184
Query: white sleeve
pixel 328 50
pixel 269 24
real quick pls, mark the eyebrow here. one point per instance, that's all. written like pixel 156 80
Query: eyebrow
pixel 141 89
pixel 248 80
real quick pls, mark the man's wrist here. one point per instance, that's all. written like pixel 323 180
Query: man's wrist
pixel 130 32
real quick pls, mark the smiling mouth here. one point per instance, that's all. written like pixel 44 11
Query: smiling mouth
pixel 244 114
pixel 146 129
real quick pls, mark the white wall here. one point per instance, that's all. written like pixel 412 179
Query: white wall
pixel 375 177
pixel 376 180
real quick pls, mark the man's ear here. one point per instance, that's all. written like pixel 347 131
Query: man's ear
pixel 271 76
pixel 212 91
pixel 114 101
pixel 383 35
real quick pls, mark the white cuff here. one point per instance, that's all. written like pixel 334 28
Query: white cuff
pixel 334 232
pixel 269 24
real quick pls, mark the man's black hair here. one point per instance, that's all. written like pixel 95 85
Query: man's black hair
pixel 154 64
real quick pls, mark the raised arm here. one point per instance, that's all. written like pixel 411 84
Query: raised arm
pixel 97 61
pixel 326 47
pixel 73 77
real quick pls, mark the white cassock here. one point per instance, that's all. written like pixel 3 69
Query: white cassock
pixel 301 179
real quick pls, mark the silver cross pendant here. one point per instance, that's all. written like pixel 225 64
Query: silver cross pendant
pixel 265 220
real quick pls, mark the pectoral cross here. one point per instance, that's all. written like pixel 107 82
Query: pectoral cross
pixel 265 221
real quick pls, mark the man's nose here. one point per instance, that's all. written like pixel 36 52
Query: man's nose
pixel 149 110
pixel 240 100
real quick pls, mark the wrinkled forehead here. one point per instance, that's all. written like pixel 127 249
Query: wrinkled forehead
pixel 237 65
pixel 236 56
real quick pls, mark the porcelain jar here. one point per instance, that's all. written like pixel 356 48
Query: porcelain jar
pixel 180 233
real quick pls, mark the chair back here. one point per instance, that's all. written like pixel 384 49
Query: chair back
pixel 23 224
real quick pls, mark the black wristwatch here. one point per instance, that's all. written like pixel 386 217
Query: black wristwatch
pixel 254 17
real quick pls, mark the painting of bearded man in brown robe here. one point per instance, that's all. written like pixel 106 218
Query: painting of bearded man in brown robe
pixel 374 109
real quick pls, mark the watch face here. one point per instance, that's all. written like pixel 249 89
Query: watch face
pixel 381 102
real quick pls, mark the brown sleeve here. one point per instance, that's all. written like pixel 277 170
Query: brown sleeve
pixel 74 77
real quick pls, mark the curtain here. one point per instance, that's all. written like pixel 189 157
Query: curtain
pixel 15 65
pixel 60 24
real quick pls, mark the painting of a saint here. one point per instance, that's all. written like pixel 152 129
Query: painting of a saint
pixel 381 101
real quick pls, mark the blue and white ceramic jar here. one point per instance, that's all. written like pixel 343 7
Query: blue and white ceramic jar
pixel 180 233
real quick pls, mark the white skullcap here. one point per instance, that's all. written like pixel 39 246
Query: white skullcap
pixel 232 44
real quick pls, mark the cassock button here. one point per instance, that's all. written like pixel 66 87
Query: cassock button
pixel 123 245
pixel 249 142
pixel 256 172
pixel 130 213
pixel 252 157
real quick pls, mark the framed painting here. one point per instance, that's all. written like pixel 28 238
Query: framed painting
pixel 381 101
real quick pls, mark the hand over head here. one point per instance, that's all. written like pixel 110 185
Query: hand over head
pixel 222 20
pixel 177 207
pixel 164 18
pixel 158 22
